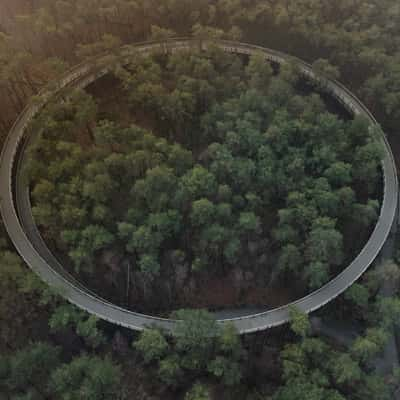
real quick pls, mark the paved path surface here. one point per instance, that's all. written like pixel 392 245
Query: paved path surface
pixel 345 332
pixel 390 356
pixel 342 332
pixel 15 208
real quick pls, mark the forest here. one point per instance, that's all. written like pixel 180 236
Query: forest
pixel 191 169
pixel 227 174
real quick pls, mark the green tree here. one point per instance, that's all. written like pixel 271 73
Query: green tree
pixel 290 259
pixel 92 239
pixel 198 183
pixel 87 378
pixel 228 371
pixel 249 222
pixel 194 337
pixel 358 294
pixel 26 372
pixel 366 163
pixel 299 322
pixel 389 272
pixel 152 345
pixel 345 370
pixel 23 298
pixel 326 70
pixel 364 348
pixel 259 72
pixel 198 392
pixel 108 43
pixel 388 309
pixel 375 387
pixel 170 371
pixel 203 212
pixel 149 265
pixel 85 325
pixel 317 274
pixel 325 242
pixel 229 341
pixel 339 174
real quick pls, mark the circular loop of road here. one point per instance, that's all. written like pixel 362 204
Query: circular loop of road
pixel 18 220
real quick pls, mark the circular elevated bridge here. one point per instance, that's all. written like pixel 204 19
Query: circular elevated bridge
pixel 17 214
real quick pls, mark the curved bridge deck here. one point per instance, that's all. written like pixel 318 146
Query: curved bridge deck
pixel 18 219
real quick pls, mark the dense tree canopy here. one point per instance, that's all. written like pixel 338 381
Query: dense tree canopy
pixel 356 39
pixel 37 372
pixel 206 109
pixel 314 369
pixel 237 167
pixel 198 345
